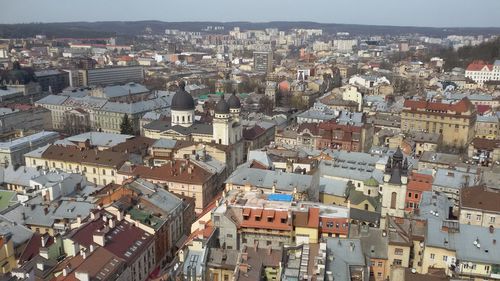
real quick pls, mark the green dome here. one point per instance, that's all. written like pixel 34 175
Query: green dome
pixel 371 182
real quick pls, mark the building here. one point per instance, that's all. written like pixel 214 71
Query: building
pixel 12 152
pixel 99 167
pixel 455 121
pixel 263 62
pixel 478 206
pixel 487 126
pixel 122 238
pixel 394 189
pixel 182 177
pixel 76 114
pixel 111 76
pixel 225 128
pixel 484 151
pixel 53 81
pixel 22 119
pixel 481 72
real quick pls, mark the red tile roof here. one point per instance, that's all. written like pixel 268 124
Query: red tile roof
pixel 478 65
pixel 255 219
pixel 183 171
pixel 463 105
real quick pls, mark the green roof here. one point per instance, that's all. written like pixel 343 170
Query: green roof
pixel 146 218
pixel 371 182
pixel 6 197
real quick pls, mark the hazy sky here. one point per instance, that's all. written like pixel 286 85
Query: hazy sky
pixel 439 13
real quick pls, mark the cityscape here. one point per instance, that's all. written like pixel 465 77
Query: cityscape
pixel 232 142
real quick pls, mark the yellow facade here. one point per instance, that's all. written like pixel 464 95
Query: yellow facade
pixel 7 255
pixel 311 233
pixel 434 257
pixel 457 129
pixel 93 173
pixel 332 199
pixel 219 274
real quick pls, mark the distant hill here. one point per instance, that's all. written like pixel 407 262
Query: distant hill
pixel 127 28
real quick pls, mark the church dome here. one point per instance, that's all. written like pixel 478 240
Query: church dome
pixel 234 101
pixel 222 107
pixel 182 100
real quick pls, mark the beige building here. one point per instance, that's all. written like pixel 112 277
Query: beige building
pixel 479 205
pixel 99 167
pixel 487 127
pixel 455 122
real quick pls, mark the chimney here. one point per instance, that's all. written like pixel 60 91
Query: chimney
pixel 92 248
pixel 94 215
pixel 111 223
pixel 66 270
pixel 119 216
pixel 42 239
pixel 243 267
pixel 99 238
pixel 45 210
pixel 83 254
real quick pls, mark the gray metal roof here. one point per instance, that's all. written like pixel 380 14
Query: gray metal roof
pixel 267 178
pixel 346 253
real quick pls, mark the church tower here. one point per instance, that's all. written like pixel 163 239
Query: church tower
pixel 395 186
pixel 182 108
pixel 227 129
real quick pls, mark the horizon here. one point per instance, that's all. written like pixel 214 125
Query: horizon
pixel 425 13
pixel 255 22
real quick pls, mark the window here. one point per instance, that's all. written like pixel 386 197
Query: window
pixel 379 264
pixel 94 170
pixel 229 235
pixel 492 219
pixel 445 258
pixel 379 274
pixel 104 182
pixel 398 251
pixel 268 243
pixel 433 256
pixel 394 197
pixel 103 172
pixel 409 194
pixel 34 162
pixel 112 173
pixel 478 217
pixel 398 262
pixel 416 195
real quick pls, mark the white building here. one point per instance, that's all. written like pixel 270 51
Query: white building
pixel 480 72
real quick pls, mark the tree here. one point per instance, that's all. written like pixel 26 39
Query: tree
pixel 126 127
pixel 266 105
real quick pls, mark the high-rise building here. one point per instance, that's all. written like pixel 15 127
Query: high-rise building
pixel 111 76
pixel 263 61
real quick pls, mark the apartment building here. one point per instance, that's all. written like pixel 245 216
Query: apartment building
pixel 454 121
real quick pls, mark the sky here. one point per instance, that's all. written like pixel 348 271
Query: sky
pixel 432 13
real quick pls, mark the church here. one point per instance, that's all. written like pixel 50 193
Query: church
pixel 224 130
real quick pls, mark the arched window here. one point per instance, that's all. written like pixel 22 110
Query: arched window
pixel 394 197
pixel 177 118
pixel 183 119
pixel 189 118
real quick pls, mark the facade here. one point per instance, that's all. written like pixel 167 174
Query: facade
pixel 86 113
pixel 99 167
pixel 487 127
pixel 111 76
pixel 53 81
pixel 394 189
pixel 455 122
pixel 263 62
pixel 23 119
pixel 12 152
pixel 478 206
pixel 481 72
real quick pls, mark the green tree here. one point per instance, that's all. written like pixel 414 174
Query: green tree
pixel 126 127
